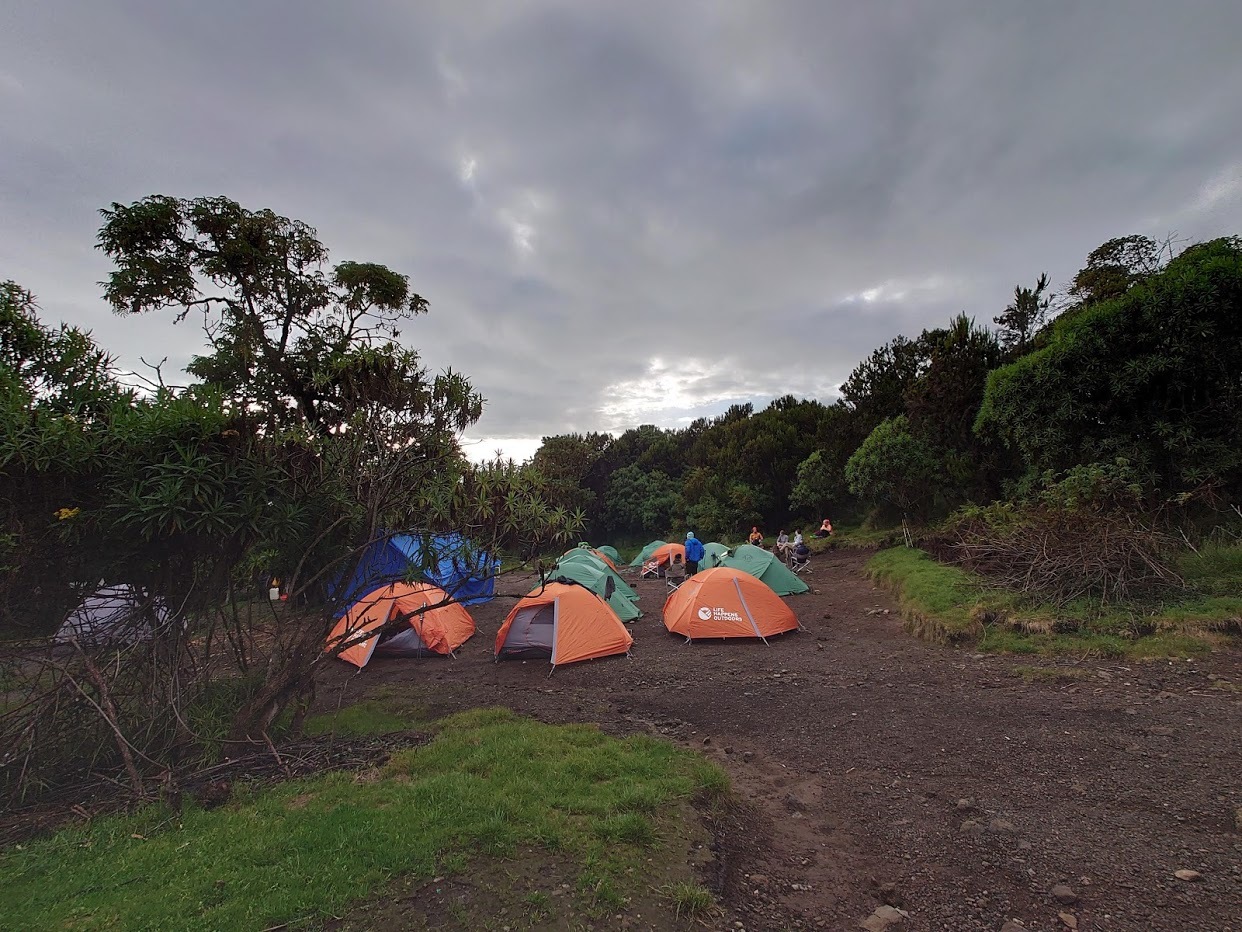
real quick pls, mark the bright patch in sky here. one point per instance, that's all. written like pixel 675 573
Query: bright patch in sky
pixel 894 290
pixel 482 449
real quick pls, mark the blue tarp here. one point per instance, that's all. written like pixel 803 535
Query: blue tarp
pixel 450 562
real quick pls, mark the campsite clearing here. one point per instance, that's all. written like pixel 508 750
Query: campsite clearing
pixel 869 766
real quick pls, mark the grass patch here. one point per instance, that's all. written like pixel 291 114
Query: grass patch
pixel 690 900
pixel 1060 675
pixel 940 603
pixel 952 606
pixel 306 849
pixel 858 536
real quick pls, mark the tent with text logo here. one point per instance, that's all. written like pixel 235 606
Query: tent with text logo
pixel 766 566
pixel 433 624
pixel 727 603
pixel 561 623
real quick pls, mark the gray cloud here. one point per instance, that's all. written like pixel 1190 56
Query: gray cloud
pixel 630 212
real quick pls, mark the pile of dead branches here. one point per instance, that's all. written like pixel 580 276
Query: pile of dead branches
pixel 1059 555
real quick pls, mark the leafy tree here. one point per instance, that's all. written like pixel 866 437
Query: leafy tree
pixel 1150 377
pixel 1024 316
pixel 310 433
pixel 894 468
pixel 288 336
pixel 1113 267
pixel 876 389
pixel 639 502
pixel 572 466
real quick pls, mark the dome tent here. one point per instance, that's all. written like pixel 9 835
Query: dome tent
pixel 713 554
pixel 591 560
pixel 645 554
pixel 598 581
pixel 564 623
pixel 436 625
pixel 727 603
pixel 598 554
pixel 114 615
pixel 449 561
pixel 765 566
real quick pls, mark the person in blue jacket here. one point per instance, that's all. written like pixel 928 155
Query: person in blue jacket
pixel 694 553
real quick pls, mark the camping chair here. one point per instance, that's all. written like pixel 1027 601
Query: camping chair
pixel 650 568
pixel 675 575
pixel 800 562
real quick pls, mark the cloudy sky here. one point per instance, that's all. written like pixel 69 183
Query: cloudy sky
pixel 636 212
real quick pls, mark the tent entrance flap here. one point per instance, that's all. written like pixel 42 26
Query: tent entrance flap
pixel 403 643
pixel 532 633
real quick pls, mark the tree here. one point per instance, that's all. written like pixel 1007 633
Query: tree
pixel 310 433
pixel 820 483
pixel 894 468
pixel 289 337
pixel 1024 316
pixel 639 502
pixel 573 467
pixel 1113 267
pixel 1150 377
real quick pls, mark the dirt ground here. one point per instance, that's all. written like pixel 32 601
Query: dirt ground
pixel 876 770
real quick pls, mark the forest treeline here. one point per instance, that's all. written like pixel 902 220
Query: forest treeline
pixel 1128 388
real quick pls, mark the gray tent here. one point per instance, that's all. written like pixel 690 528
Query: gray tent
pixel 120 614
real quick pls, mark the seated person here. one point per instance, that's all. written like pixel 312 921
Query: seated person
pixel 755 537
pixel 825 529
pixel 782 542
pixel 797 538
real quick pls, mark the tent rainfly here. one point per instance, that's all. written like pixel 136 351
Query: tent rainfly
pixel 114 615
pixel 765 566
pixel 563 623
pixel 726 603
pixel 448 561
pixel 645 554
pixel 598 581
pixel 585 556
pixel 436 625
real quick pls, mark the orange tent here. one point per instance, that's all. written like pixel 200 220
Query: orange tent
pixel 563 622
pixel 438 630
pixel 661 557
pixel 727 603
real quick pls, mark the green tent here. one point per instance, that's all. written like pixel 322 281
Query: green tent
pixel 645 554
pixel 763 565
pixel 597 580
pixel 713 555
pixel 610 553
pixel 591 560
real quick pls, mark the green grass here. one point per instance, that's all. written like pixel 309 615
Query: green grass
pixel 307 849
pixel 381 714
pixel 690 900
pixel 856 535
pixel 940 602
pixel 952 606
